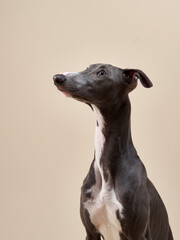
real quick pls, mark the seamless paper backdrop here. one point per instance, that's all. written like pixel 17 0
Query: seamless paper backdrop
pixel 47 140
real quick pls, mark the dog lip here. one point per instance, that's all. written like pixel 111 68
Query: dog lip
pixel 61 89
pixel 72 92
pixel 67 94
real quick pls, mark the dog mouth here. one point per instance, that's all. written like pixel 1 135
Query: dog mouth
pixel 66 93
pixel 62 90
pixel 73 93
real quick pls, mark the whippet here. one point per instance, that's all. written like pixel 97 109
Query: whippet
pixel 118 201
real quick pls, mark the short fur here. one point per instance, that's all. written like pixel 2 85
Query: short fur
pixel 118 201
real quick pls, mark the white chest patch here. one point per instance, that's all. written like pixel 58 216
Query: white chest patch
pixel 103 214
pixel 103 205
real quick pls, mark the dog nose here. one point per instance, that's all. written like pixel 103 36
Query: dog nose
pixel 59 79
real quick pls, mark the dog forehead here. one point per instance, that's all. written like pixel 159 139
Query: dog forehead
pixel 100 65
pixel 108 67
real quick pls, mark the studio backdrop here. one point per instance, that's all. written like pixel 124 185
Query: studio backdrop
pixel 47 140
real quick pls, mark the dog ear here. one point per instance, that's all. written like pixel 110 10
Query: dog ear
pixel 131 76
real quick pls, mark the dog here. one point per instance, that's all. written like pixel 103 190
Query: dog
pixel 118 201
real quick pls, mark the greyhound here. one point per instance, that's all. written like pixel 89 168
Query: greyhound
pixel 118 201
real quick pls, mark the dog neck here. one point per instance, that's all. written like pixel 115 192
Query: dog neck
pixel 113 141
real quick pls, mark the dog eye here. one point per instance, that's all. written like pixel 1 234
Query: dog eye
pixel 101 73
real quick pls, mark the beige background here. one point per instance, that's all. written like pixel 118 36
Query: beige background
pixel 47 140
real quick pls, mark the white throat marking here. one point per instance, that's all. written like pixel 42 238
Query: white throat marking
pixel 99 139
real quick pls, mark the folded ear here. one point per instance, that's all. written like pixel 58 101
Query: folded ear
pixel 130 77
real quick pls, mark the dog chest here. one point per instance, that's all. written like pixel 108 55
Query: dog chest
pixel 104 211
